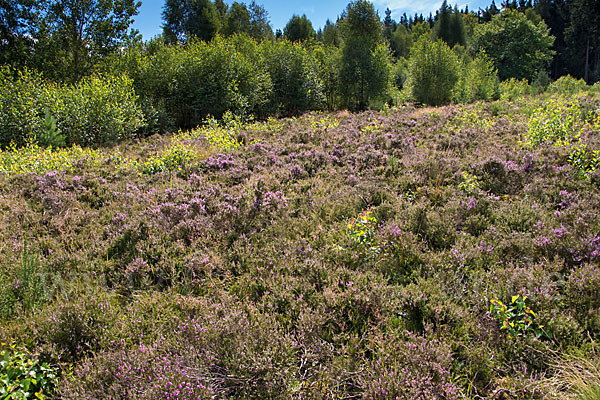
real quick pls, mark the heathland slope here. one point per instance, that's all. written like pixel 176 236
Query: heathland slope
pixel 431 253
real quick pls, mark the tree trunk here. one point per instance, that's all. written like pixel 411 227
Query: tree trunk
pixel 586 74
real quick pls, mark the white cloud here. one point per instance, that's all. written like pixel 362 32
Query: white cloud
pixel 410 7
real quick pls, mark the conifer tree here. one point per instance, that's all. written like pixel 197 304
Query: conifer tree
pixel 450 26
pixel 364 73
pixel 184 19
pixel 299 29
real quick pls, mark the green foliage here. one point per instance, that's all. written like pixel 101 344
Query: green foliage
pixel 96 111
pixel 237 19
pixel 203 79
pixel 517 47
pixel 365 68
pixel 419 30
pixel 24 378
pixel 23 97
pixel 400 73
pixel 362 23
pixel 478 80
pixel 470 184
pixel 583 160
pixel 251 20
pixel 401 42
pixel 50 135
pixel 362 229
pixel 450 26
pixel 559 120
pixel 513 88
pixel 432 72
pixel 223 136
pixel 25 290
pixel 174 158
pixel 541 82
pixel 331 35
pixel 567 85
pixel 365 73
pixel 328 59
pixel 186 19
pixel 181 152
pixel 78 33
pixel 299 29
pixel 294 73
pixel 36 159
pixel 517 318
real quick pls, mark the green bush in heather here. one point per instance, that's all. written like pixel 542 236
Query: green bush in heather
pixel 478 81
pixel 294 72
pixel 99 110
pixel 23 96
pixel 567 85
pixel 328 59
pixel 433 72
pixel 189 83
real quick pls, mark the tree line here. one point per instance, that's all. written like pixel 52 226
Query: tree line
pixel 60 56
pixel 65 38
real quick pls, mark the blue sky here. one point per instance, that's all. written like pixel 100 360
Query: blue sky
pixel 149 21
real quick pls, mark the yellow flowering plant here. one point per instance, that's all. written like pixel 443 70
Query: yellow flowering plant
pixel 517 318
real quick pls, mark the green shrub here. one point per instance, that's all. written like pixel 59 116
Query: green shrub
pixel 24 95
pixel 433 72
pixel 541 82
pixel 560 121
pixel 512 89
pixel 478 81
pixel 516 318
pixel 567 85
pixel 36 159
pixel 328 60
pixel 222 136
pixel 294 72
pixel 23 378
pixel 176 156
pixel 583 160
pixel 50 135
pixel 365 74
pixel 518 46
pixel 189 83
pixel 96 111
pixel 400 73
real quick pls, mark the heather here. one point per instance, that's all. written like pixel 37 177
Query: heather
pixel 438 253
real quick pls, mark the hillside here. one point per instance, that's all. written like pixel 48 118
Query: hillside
pixel 430 253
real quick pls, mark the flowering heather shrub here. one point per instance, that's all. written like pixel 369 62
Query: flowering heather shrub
pixel 410 367
pixel 238 277
pixel 581 295
pixel 147 372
